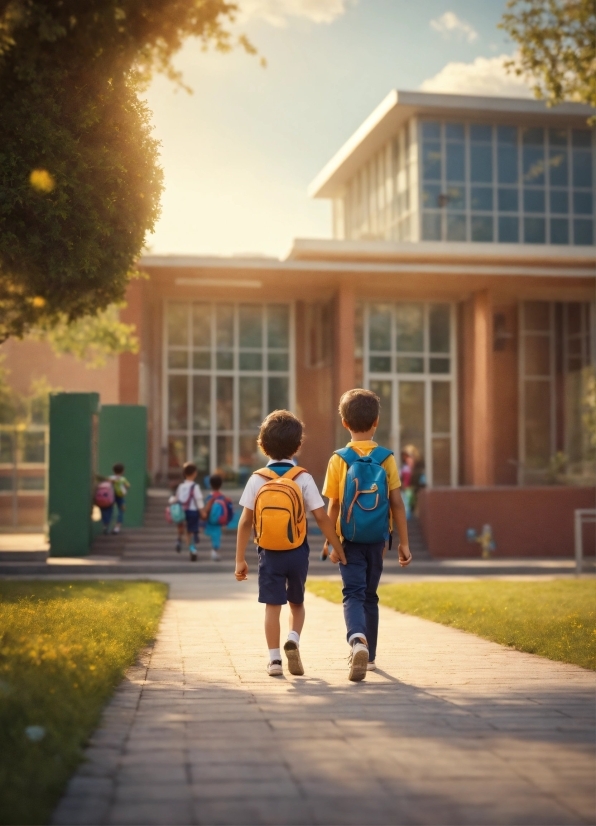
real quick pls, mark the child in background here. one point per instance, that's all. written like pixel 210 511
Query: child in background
pixel 213 526
pixel 280 494
pixel 188 494
pixel 121 486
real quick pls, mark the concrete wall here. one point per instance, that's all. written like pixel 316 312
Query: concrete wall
pixel 526 522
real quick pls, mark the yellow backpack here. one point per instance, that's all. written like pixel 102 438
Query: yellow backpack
pixel 279 516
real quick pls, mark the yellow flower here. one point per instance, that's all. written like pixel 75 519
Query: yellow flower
pixel 42 180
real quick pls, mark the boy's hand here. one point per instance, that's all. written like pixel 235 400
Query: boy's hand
pixel 336 556
pixel 241 571
pixel 404 555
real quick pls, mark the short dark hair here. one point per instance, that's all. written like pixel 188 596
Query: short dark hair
pixel 280 435
pixel 189 469
pixel 215 481
pixel 118 468
pixel 359 409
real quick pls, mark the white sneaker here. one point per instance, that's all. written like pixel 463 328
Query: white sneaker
pixel 358 662
pixel 371 666
pixel 215 557
pixel 294 662
pixel 274 668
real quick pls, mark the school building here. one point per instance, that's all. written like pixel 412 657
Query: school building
pixel 459 285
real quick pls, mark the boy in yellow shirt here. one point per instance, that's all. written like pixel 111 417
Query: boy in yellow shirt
pixel 362 484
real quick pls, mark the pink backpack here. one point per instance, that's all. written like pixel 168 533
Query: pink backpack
pixel 104 495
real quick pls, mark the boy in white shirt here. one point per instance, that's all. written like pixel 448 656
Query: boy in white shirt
pixel 283 557
pixel 188 494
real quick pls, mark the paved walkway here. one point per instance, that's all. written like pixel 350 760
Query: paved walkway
pixel 451 730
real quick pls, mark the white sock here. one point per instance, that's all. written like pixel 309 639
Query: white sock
pixel 274 654
pixel 294 636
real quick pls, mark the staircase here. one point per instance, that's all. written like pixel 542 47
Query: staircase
pixel 155 542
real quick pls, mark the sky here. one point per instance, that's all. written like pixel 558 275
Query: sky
pixel 239 153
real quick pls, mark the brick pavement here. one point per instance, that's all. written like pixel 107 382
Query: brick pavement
pixel 451 730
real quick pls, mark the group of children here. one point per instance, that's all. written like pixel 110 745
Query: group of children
pixel 189 497
pixel 363 490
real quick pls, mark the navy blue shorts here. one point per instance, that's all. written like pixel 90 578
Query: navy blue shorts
pixel 192 521
pixel 282 575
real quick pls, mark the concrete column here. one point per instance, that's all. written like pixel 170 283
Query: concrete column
pixel 478 391
pixel 129 366
pixel 344 338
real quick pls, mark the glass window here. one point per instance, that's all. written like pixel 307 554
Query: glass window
pixel 559 231
pixel 225 403
pixel 379 326
pixel 558 167
pixel 537 355
pixel 441 407
pixel 438 365
pixel 481 132
pixel 507 135
pixel 201 325
pixel 456 164
pixel 507 164
pixel 383 391
pixel 559 201
pixel 537 424
pixel 250 402
pixel 279 393
pixel 533 165
pixel 441 461
pixel 201 402
pixel 582 167
pixel 178 402
pixel 440 326
pixel 456 197
pixel 177 324
pixel 250 361
pixel 278 326
pixel 431 226
pixel 557 137
pixel 581 138
pixel 534 200
pixel 456 227
pixel 278 362
pixel 409 325
pixel 178 359
pixel 225 325
pixel 411 414
pixel 482 228
pixel 454 131
pixel 380 364
pixel 481 163
pixel 507 200
pixel 201 455
pixel 583 232
pixel 536 316
pixel 482 198
pixel 582 203
pixel 409 364
pixel 33 447
pixel 534 230
pixel 430 196
pixel 251 325
pixel 431 129
pixel 533 136
pixel 225 360
pixel 431 161
pixel 508 229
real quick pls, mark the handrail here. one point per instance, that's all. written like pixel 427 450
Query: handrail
pixel 581 516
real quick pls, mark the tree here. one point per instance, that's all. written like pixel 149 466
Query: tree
pixel 557 47
pixel 79 176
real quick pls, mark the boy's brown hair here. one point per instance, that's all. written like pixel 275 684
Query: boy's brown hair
pixel 280 435
pixel 189 470
pixel 359 409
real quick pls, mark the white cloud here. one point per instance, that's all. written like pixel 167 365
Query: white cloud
pixel 278 12
pixel 484 76
pixel 449 23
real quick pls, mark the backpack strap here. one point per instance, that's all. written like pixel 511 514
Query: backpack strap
pixel 380 454
pixel 190 495
pixel 294 472
pixel 349 455
pixel 266 473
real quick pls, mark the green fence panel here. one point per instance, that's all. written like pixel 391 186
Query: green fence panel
pixel 123 438
pixel 72 468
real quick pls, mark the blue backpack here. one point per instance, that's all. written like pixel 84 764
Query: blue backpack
pixel 364 515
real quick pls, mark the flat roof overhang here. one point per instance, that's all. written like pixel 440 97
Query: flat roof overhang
pixel 398 107
pixel 320 256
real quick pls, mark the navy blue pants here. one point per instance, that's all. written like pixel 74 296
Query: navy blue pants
pixel 282 575
pixel 360 579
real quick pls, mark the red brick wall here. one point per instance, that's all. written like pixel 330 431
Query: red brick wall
pixel 525 521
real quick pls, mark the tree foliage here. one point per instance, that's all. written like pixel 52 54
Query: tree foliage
pixel 79 176
pixel 557 47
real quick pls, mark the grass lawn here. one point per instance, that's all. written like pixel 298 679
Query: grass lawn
pixel 64 646
pixel 556 619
